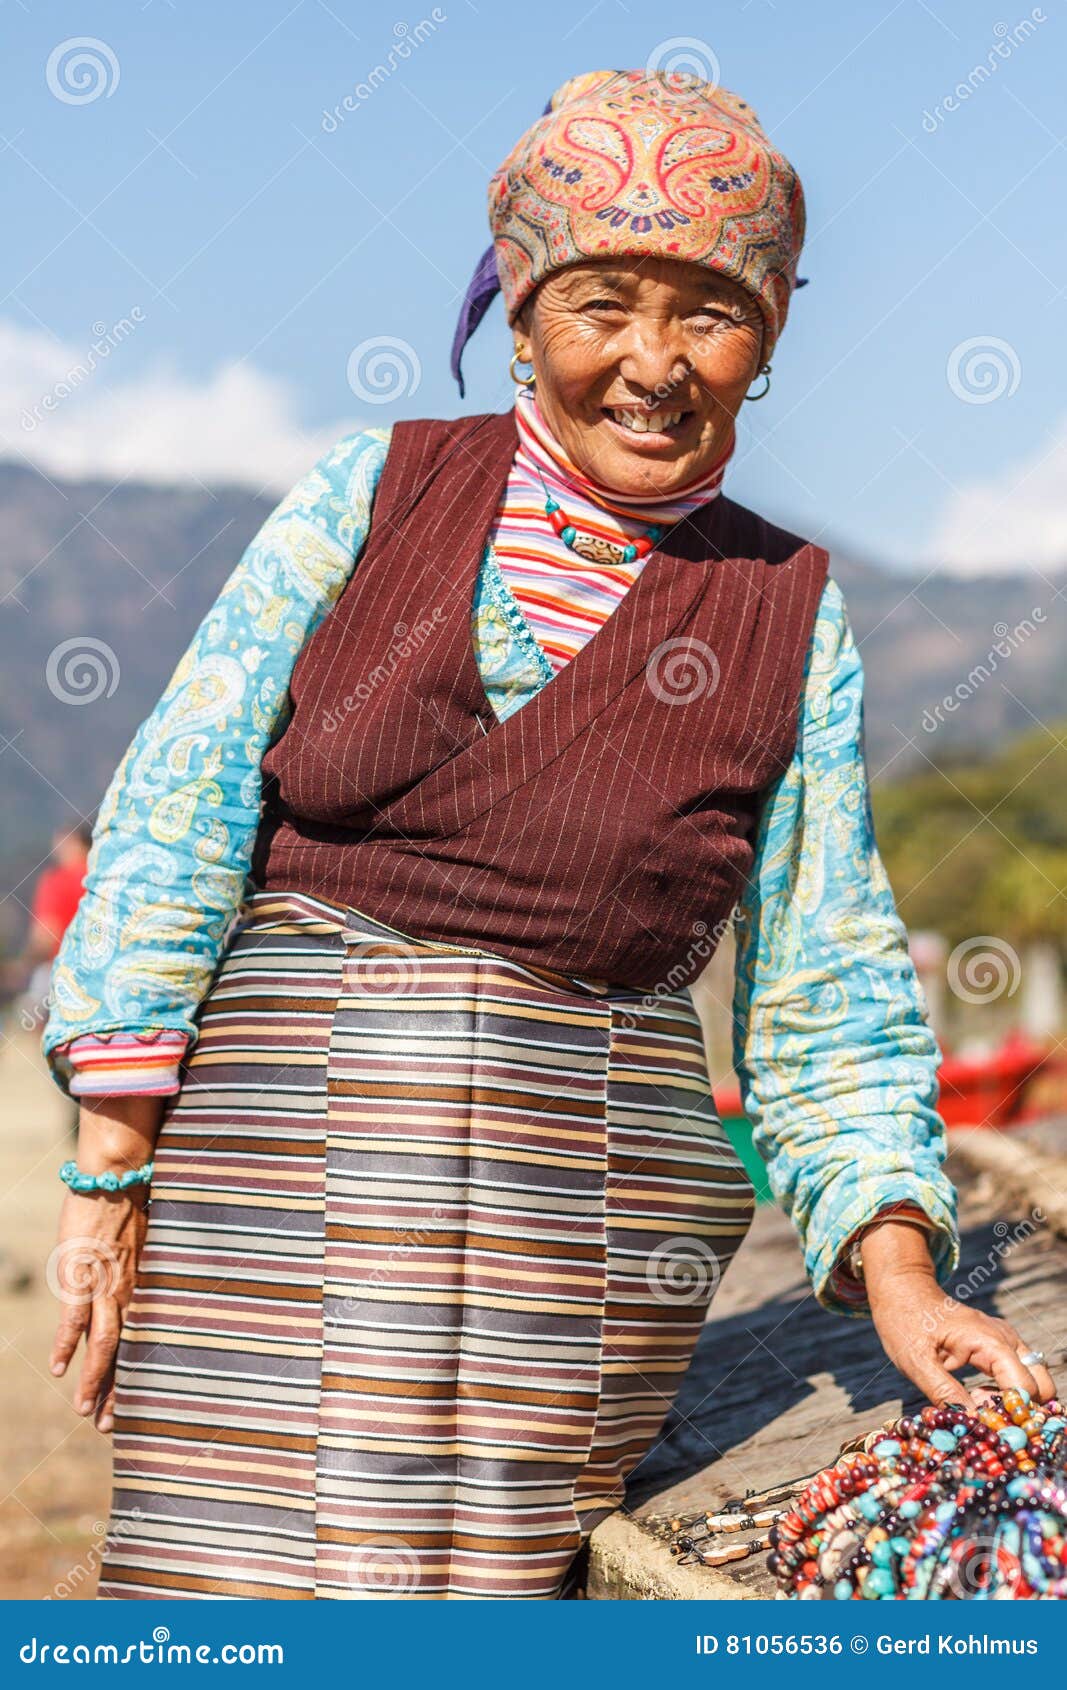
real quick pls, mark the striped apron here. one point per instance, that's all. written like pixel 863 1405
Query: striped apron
pixel 432 1238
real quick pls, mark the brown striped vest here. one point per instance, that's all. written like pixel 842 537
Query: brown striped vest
pixel 606 827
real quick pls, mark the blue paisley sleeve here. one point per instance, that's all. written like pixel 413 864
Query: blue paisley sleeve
pixel 832 1041
pixel 173 841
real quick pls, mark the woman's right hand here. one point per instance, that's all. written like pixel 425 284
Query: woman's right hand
pixel 92 1272
pixel 93 1268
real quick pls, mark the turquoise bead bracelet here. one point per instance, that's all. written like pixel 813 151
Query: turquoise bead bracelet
pixel 70 1174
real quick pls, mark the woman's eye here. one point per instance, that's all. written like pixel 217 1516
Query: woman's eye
pixel 604 305
pixel 715 320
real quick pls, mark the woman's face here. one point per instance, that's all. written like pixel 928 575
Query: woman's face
pixel 660 343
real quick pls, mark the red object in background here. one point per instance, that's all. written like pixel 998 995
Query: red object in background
pixel 56 898
pixel 985 1091
pixel 991 1091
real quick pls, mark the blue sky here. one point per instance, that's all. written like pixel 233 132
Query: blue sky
pixel 225 246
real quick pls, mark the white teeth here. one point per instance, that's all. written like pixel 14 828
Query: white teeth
pixel 647 422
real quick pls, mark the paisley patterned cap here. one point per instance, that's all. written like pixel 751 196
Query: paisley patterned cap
pixel 663 165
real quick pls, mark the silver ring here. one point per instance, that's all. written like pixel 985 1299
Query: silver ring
pixel 1031 1358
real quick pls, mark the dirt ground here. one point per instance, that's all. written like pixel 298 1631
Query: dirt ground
pixel 55 1468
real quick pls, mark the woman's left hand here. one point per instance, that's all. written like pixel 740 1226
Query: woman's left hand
pixel 930 1337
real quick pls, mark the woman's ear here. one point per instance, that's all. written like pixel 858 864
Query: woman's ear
pixel 521 331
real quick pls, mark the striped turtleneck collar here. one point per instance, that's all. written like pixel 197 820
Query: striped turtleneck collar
pixel 565 596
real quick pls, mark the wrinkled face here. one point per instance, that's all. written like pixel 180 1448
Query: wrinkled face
pixel 641 365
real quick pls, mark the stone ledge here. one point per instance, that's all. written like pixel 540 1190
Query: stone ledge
pixel 627 1563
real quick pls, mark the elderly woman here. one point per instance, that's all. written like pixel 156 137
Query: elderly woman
pixel 381 975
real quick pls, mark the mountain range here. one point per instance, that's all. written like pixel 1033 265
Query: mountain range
pixel 102 587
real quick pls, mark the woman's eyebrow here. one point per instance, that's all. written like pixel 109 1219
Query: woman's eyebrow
pixel 720 296
pixel 711 284
pixel 601 279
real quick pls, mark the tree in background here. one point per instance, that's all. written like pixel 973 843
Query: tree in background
pixel 981 847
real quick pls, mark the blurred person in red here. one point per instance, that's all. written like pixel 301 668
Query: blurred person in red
pixel 55 899
pixel 27 976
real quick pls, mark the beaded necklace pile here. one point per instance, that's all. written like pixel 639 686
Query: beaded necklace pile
pixel 947 1504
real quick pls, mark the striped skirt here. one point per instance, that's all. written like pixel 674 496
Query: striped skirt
pixel 431 1241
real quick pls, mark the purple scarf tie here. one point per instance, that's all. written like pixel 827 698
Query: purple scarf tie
pixel 483 286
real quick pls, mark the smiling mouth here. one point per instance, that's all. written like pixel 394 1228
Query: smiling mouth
pixel 644 421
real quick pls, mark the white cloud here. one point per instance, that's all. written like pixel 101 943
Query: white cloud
pixel 71 411
pixel 1014 520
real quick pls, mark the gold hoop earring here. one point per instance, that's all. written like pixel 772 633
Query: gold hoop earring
pixel 765 372
pixel 521 381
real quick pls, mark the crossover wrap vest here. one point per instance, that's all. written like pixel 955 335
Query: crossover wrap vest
pixel 606 828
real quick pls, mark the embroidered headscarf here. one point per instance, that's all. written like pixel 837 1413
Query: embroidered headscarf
pixel 624 163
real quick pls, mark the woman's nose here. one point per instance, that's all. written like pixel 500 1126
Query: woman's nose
pixel 652 359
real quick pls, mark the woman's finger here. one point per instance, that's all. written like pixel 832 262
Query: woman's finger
pixel 939 1384
pixel 73 1321
pixel 105 1414
pixel 999 1358
pixel 1046 1385
pixel 99 1355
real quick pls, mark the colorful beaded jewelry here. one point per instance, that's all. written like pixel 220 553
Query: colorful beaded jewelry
pixel 71 1176
pixel 947 1504
pixel 595 549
